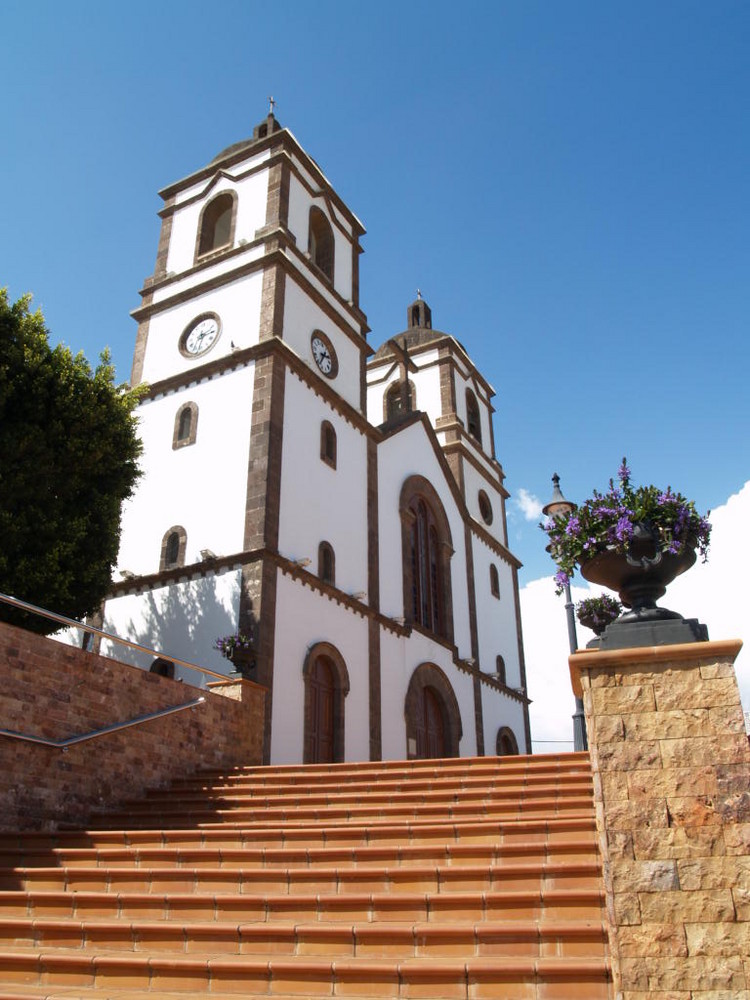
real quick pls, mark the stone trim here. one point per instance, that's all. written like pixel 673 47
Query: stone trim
pixel 165 236
pixel 474 636
pixel 278 242
pixel 328 443
pixel 139 352
pixel 373 597
pixel 521 659
pixel 284 145
pixel 438 342
pixel 179 562
pixel 430 675
pixel 493 544
pixel 277 202
pixel 177 441
pixel 507 733
pixel 460 438
pixel 272 298
pixel 708 652
pixel 341 690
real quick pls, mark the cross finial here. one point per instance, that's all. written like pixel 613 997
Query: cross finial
pixel 271 105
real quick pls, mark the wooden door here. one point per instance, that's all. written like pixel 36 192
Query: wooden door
pixel 429 726
pixel 320 720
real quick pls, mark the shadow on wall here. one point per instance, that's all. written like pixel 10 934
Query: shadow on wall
pixel 181 620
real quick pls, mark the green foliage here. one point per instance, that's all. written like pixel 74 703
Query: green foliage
pixel 68 458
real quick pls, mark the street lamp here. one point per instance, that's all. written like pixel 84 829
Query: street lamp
pixel 559 507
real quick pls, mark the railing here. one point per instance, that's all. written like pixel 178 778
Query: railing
pixel 72 623
pixel 137 720
pixel 104 731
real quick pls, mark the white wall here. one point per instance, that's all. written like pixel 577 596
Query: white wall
pixel 399 658
pixel 301 317
pixel 238 306
pixel 474 481
pixel 496 618
pixel 252 195
pixel 202 486
pixel 500 710
pixel 300 203
pixel 319 503
pixel 182 619
pixel 304 618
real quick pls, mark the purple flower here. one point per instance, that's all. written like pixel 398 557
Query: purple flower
pixel 623 473
pixel 623 529
pixel 573 526
pixel 561 579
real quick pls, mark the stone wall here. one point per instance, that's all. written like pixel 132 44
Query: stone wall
pixel 671 768
pixel 55 691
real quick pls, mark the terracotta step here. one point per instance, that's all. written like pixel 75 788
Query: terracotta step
pixel 461 878
pixel 484 977
pixel 397 939
pixel 506 879
pixel 18 849
pixel 256 842
pixel 445 767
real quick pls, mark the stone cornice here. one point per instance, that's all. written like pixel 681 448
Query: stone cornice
pixel 283 240
pixel 281 143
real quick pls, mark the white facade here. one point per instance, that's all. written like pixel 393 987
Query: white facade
pixel 293 492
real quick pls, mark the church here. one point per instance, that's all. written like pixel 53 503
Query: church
pixel 341 507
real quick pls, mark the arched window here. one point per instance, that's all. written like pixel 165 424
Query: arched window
pixel 320 242
pixel 393 402
pixel 500 670
pixel 485 507
pixel 216 228
pixel 185 425
pixel 427 550
pixel 328 443
pixel 507 744
pixel 494 581
pixel 326 687
pixel 473 421
pixel 173 548
pixel 326 563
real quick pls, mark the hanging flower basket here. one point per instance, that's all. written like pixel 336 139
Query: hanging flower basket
pixel 597 613
pixel 240 651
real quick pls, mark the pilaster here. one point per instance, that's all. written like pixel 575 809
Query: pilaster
pixel 671 766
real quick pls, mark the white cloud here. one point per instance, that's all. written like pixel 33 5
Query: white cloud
pixel 529 505
pixel 715 593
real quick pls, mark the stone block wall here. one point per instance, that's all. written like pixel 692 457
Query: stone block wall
pixel 671 767
pixel 55 691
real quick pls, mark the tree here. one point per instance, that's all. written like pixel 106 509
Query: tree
pixel 68 459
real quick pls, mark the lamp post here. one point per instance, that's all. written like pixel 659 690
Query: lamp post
pixel 558 507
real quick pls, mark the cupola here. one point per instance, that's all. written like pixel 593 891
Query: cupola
pixel 419 314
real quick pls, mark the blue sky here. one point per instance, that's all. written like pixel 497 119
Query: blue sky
pixel 567 182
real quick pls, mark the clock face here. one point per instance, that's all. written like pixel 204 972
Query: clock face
pixel 324 354
pixel 200 336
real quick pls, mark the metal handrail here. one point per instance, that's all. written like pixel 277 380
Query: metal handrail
pixel 72 623
pixel 104 731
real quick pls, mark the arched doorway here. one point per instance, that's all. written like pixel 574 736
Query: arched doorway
pixel 429 725
pixel 326 686
pixel 507 745
pixel 320 729
pixel 433 721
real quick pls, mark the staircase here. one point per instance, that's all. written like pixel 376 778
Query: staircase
pixel 468 878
